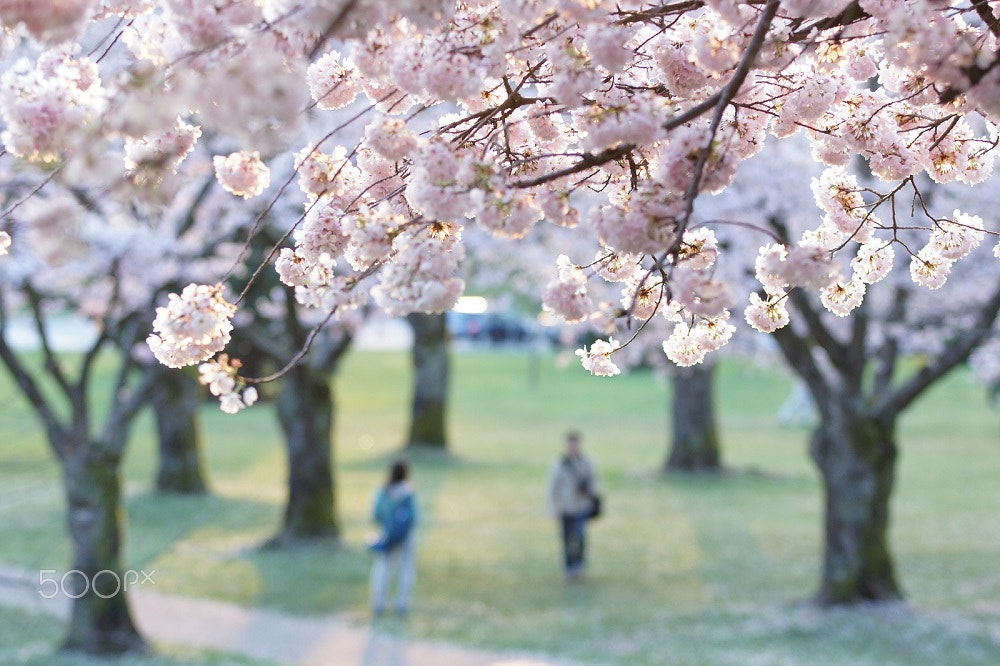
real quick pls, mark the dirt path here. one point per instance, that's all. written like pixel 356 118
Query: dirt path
pixel 262 634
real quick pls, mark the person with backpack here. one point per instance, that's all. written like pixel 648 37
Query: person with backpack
pixel 395 512
pixel 573 499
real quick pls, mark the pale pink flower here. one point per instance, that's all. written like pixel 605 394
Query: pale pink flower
pixel 242 173
pixel 842 297
pixel 766 316
pixel 873 261
pixel 567 296
pixel 331 84
pixel 953 240
pixel 929 269
pixel 598 359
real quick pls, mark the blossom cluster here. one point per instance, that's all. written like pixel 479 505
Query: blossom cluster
pixel 221 378
pixel 195 325
pixel 242 173
pixel 46 105
pixel 148 158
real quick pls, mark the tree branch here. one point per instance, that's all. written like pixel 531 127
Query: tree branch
pixel 835 350
pixel 55 430
pixel 888 353
pixel 798 354
pixel 985 12
pixel 51 363
pixel 852 13
pixel 857 351
pixel 957 352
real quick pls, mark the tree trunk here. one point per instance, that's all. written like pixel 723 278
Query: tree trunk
pixel 305 411
pixel 856 456
pixel 695 445
pixel 430 381
pixel 100 621
pixel 175 403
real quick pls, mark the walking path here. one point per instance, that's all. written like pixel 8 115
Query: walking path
pixel 267 635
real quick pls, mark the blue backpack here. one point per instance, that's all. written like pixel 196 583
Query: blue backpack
pixel 397 527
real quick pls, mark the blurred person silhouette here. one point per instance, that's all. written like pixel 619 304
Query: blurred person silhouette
pixel 394 510
pixel 572 501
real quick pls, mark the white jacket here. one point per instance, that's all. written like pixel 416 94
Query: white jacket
pixel 572 484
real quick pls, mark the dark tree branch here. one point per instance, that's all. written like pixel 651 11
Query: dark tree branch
pixel 337 21
pixel 799 355
pixel 124 410
pixel 725 96
pixel 327 355
pixel 976 73
pixel 836 351
pixel 29 387
pixel 891 404
pixel 851 14
pixel 888 352
pixel 51 363
pixel 857 355
pixel 985 12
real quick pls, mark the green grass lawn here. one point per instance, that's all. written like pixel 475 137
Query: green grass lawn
pixel 700 570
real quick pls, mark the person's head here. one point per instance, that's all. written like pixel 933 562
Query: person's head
pixel 573 443
pixel 399 471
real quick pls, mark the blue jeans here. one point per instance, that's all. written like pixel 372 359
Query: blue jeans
pixel 574 541
pixel 400 564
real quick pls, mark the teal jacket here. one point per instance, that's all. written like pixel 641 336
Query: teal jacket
pixel 387 496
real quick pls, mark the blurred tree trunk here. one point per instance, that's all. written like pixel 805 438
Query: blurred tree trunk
pixel 175 400
pixel 856 457
pixel 100 620
pixel 430 381
pixel 695 443
pixel 306 413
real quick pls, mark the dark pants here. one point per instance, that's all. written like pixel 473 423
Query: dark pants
pixel 574 541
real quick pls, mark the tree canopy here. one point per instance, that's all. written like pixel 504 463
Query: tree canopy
pixel 402 123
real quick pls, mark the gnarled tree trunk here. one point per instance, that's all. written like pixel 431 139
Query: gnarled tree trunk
pixel 175 403
pixel 430 381
pixel 305 412
pixel 100 620
pixel 695 443
pixel 856 456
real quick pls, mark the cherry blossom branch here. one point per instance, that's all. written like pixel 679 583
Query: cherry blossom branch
pixel 299 355
pixel 717 101
pixel 310 338
pixel 35 190
pixel 851 14
pixel 630 17
pixel 985 12
pixel 726 95
pixel 259 220
pixel 332 27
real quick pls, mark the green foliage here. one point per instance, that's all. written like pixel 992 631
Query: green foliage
pixel 683 569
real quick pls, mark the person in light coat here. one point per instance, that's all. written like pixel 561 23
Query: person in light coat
pixel 572 488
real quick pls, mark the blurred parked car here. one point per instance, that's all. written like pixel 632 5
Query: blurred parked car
pixel 493 328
